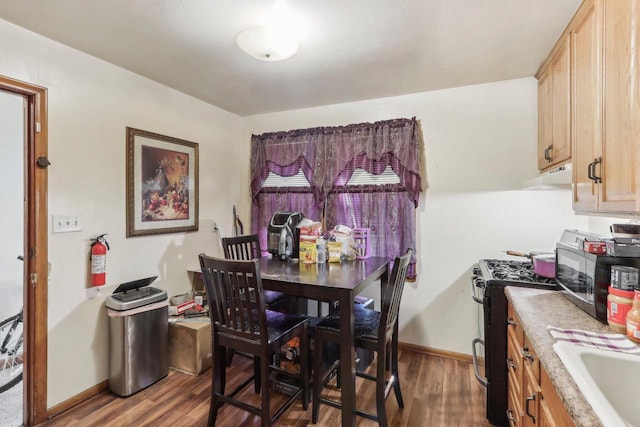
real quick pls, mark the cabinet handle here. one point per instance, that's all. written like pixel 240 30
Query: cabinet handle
pixel 511 418
pixel 596 178
pixel 547 150
pixel 525 353
pixel 510 364
pixel 530 399
pixel 590 171
pixel 510 322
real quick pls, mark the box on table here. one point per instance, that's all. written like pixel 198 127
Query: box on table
pixel 309 233
pixel 308 250
pixel 190 346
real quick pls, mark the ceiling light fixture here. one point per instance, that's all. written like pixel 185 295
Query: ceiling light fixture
pixel 267 44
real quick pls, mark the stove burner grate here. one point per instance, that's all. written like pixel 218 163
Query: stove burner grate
pixel 514 271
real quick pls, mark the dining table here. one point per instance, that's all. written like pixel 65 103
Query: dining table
pixel 330 282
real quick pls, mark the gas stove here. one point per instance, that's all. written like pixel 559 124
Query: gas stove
pixel 516 273
pixel 487 285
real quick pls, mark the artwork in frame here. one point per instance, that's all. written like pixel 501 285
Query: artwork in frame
pixel 162 184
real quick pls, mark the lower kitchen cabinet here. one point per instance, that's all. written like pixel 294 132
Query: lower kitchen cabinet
pixel 552 411
pixel 532 398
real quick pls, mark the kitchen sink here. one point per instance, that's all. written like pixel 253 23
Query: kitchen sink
pixel 608 380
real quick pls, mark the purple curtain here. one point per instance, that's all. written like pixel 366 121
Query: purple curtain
pixel 284 200
pixel 328 156
pixel 394 142
pixel 388 212
pixel 284 153
pixel 323 153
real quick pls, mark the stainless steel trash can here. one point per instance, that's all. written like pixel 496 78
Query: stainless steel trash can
pixel 138 335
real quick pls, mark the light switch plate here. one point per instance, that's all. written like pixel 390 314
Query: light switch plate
pixel 66 223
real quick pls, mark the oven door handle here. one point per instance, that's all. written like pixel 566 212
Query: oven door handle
pixel 474 286
pixel 481 380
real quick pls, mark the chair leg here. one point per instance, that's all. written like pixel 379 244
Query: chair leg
pixel 217 383
pixel 223 370
pixel 230 354
pixel 317 377
pixel 304 367
pixel 257 380
pixel 396 376
pixel 265 411
pixel 380 386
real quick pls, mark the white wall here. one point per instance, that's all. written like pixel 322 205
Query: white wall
pixel 90 105
pixel 480 149
pixel 11 227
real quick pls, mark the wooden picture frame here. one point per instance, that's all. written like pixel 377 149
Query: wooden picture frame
pixel 162 184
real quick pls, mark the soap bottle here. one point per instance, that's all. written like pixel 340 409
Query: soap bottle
pixel 633 317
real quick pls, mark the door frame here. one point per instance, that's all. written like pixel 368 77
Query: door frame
pixel 35 278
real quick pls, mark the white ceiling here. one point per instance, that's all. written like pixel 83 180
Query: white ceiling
pixel 353 49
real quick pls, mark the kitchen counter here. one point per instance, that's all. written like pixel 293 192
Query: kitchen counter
pixel 537 309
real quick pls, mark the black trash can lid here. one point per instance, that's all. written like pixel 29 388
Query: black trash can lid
pixel 135 284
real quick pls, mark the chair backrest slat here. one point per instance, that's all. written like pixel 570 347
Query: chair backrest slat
pixel 229 284
pixel 242 247
pixel 393 295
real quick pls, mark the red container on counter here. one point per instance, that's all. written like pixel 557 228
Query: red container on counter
pixel 619 302
pixel 633 319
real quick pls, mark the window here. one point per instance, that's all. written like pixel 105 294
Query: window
pixel 364 175
pixel 275 181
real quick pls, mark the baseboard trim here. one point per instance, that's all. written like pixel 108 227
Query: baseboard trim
pixel 92 391
pixel 78 398
pixel 437 352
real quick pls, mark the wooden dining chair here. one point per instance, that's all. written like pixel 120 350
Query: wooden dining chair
pixel 374 330
pixel 248 327
pixel 245 248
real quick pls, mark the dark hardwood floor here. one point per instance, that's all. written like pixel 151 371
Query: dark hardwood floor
pixel 437 392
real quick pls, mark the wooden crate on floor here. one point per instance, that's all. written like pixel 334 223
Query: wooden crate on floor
pixel 190 345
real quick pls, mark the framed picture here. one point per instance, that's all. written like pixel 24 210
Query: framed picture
pixel 162 184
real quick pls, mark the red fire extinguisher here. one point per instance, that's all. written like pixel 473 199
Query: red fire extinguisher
pixel 99 248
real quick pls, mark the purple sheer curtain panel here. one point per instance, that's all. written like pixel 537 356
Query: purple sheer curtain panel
pixel 388 212
pixel 328 157
pixel 269 202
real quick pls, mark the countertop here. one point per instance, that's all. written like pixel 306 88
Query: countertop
pixel 537 309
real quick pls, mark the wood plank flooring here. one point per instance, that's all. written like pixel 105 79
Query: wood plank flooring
pixel 437 392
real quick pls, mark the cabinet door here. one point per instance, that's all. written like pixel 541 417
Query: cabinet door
pixel 546 417
pixel 515 379
pixel 514 412
pixel 560 131
pixel 554 143
pixel 545 107
pixel 619 188
pixel 586 101
pixel 531 399
pixel 551 411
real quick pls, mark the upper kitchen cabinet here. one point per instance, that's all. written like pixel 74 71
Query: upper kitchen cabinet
pixel 586 102
pixel 554 143
pixel 605 106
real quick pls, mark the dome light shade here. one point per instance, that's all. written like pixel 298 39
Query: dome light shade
pixel 267 44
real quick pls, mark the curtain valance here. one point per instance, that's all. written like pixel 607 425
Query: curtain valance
pixel 323 153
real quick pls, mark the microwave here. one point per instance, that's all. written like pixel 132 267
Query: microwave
pixel 583 277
